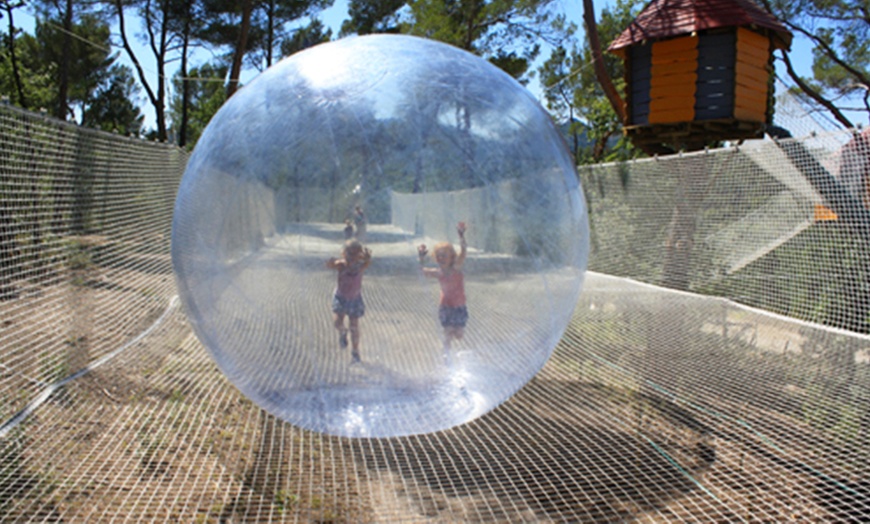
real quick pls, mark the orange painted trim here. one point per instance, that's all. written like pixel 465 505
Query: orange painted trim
pixel 749 52
pixel 671 103
pixel 672 68
pixel 673 85
pixel 753 61
pixel 690 56
pixel 752 58
pixel 823 214
pixel 684 49
pixel 675 45
pixel 670 117
pixel 752 38
pixel 758 106
pixel 749 115
pixel 753 84
pixel 742 92
pixel 750 74
pixel 747 67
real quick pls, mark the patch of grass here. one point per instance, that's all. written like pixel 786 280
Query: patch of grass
pixel 176 396
pixel 54 365
pixel 286 500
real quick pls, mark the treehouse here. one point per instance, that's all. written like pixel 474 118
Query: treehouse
pixel 698 72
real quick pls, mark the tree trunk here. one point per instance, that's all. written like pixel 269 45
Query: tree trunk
pixel 13 59
pixel 239 54
pixel 63 75
pixel 598 61
pixel 270 35
pixel 160 56
pixel 185 86
pixel 156 101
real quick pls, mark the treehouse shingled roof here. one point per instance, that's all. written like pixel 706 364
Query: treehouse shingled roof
pixel 662 19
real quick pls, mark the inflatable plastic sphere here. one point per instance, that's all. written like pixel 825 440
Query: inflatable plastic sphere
pixel 299 229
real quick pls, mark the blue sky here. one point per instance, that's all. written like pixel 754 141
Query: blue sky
pixel 801 50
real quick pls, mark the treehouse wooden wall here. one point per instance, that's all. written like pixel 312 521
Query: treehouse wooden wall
pixel 674 75
pixel 721 75
pixel 753 76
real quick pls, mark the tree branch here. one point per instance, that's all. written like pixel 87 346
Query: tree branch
pixel 598 61
pixel 128 48
pixel 812 93
pixel 832 54
pixel 241 48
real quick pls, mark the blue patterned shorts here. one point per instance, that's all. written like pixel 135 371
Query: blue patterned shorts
pixel 352 307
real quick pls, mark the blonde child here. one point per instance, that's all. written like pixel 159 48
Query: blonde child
pixel 452 310
pixel 347 299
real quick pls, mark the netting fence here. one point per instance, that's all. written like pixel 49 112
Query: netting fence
pixel 716 367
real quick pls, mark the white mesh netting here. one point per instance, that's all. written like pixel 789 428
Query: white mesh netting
pixel 739 395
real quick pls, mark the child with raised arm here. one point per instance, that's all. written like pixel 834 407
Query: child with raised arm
pixel 347 299
pixel 452 311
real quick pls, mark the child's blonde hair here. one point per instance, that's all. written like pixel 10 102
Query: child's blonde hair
pixel 447 248
pixel 352 247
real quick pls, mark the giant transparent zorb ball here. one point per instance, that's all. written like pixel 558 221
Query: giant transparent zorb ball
pixel 421 136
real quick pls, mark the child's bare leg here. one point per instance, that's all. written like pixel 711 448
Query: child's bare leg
pixel 354 336
pixel 446 353
pixel 451 333
pixel 339 325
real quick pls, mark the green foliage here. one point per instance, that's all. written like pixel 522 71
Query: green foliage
pixel 286 500
pixel 206 95
pixel 38 88
pixel 101 91
pixel 272 17
pixel 111 107
pixel 820 275
pixel 508 33
pixel 270 26
pixel 623 219
pixel 372 16
pixel 574 95
pixel 840 38
pixel 512 64
pixel 305 37
pixel 90 58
